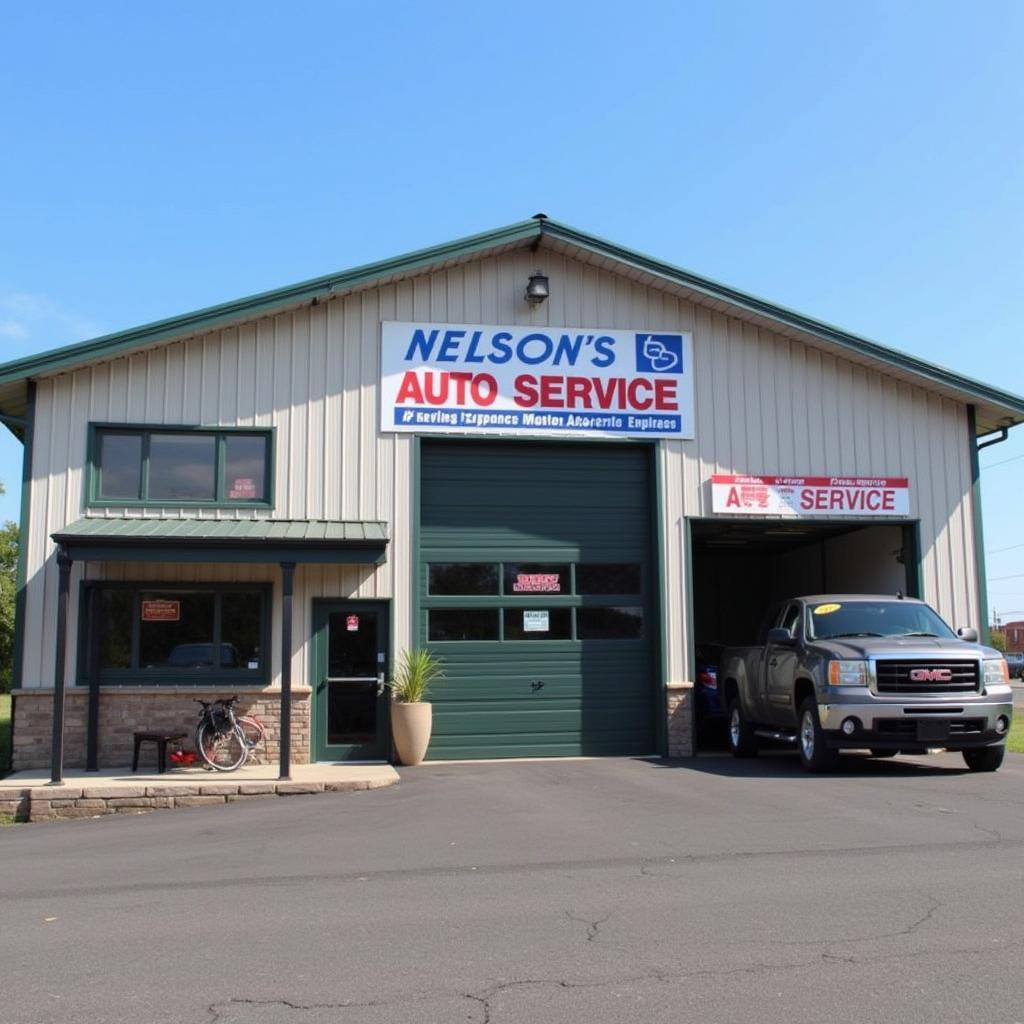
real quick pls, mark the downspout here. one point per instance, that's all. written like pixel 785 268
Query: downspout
pixel 979 532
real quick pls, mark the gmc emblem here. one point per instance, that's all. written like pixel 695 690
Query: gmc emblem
pixel 931 675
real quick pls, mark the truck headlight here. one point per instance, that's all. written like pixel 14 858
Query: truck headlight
pixel 995 671
pixel 849 673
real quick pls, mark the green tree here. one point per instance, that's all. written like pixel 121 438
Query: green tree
pixel 996 638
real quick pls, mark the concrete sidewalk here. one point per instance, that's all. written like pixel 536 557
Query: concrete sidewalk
pixel 28 795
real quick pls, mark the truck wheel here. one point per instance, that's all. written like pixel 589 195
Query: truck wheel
pixel 985 759
pixel 742 741
pixel 814 755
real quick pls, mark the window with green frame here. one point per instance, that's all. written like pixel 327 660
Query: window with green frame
pixel 132 465
pixel 175 633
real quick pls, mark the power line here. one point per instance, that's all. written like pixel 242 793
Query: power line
pixel 997 551
pixel 1014 576
pixel 1003 462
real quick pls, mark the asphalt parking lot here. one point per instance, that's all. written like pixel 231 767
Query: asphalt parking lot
pixel 710 890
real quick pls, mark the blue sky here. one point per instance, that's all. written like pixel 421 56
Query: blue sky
pixel 859 162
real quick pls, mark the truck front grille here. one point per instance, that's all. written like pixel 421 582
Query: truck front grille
pixel 927 676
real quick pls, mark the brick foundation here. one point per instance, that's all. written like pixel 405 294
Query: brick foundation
pixel 679 698
pixel 125 710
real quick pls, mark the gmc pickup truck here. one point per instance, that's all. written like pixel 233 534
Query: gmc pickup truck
pixel 858 672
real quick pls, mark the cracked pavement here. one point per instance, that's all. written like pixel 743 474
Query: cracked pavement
pixel 613 890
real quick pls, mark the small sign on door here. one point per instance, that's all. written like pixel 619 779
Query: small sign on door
pixel 352 623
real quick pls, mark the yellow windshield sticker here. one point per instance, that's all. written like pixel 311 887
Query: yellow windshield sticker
pixel 827 609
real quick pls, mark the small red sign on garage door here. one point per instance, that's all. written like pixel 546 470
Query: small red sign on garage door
pixel 352 623
pixel 161 611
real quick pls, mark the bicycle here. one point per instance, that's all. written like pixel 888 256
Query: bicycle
pixel 224 740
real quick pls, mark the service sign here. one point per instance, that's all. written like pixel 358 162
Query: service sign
pixel 798 497
pixel 161 611
pixel 570 381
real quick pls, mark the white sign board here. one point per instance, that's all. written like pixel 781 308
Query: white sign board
pixel 799 497
pixel 536 622
pixel 569 381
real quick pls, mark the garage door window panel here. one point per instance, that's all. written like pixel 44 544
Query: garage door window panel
pixel 609 578
pixel 462 579
pixel 610 623
pixel 550 623
pixel 447 625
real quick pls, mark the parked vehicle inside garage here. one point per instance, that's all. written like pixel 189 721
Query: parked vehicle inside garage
pixel 885 674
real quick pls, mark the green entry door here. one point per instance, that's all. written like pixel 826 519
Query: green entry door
pixel 350 714
pixel 537 590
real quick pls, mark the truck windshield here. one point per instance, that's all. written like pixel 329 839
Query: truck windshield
pixel 831 620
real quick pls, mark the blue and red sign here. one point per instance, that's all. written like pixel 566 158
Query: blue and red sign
pixel 474 379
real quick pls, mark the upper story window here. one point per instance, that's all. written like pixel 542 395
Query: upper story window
pixel 180 465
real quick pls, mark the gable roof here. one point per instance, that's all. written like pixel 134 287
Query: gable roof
pixel 995 408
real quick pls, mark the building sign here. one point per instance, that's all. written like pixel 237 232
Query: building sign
pixel 798 497
pixel 537 583
pixel 536 622
pixel 161 611
pixel 352 623
pixel 570 381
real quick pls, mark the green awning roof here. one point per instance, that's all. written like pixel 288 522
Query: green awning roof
pixel 108 539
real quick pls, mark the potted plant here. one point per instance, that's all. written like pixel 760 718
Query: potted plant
pixel 411 716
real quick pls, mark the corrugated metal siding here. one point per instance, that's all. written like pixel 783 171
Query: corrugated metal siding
pixel 765 404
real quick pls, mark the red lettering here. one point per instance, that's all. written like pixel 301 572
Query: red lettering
pixel 835 499
pixel 889 501
pixel 807 500
pixel 409 389
pixel 665 395
pixel 551 392
pixel 873 500
pixel 525 391
pixel 821 500
pixel 477 389
pixel 733 501
pixel 634 393
pixel 605 390
pixel 461 379
pixel 578 392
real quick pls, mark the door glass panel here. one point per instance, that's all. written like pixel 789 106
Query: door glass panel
pixel 245 466
pixel 351 713
pixel 609 623
pixel 352 645
pixel 462 624
pixel 352 702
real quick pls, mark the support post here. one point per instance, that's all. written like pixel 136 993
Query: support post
pixel 287 587
pixel 64 563
pixel 93 666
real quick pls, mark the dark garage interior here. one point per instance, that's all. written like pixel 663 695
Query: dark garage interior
pixel 741 569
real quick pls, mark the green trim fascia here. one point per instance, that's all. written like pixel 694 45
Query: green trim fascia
pixel 261 303
pixel 345 553
pixel 93 481
pixel 23 532
pixel 979 530
pixel 657 596
pixel 266 303
pixel 791 318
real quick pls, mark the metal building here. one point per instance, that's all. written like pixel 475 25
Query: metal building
pixel 563 465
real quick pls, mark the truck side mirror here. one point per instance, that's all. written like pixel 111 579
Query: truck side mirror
pixel 781 635
pixel 968 633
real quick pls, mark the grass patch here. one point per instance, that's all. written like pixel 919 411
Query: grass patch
pixel 1015 741
pixel 5 734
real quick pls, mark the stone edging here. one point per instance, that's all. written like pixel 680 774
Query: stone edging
pixel 46 803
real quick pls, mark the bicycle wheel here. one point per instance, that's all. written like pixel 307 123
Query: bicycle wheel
pixel 224 751
pixel 253 732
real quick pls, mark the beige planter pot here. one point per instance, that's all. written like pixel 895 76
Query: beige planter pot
pixel 410 728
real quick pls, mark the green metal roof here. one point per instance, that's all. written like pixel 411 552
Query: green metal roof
pixel 1000 406
pixel 100 538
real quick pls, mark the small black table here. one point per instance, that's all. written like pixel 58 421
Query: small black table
pixel 161 739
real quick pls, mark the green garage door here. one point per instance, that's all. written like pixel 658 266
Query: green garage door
pixel 536 589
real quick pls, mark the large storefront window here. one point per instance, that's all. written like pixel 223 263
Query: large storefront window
pixel 537 601
pixel 177 634
pixel 161 466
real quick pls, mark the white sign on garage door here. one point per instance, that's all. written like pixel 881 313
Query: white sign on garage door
pixel 799 497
